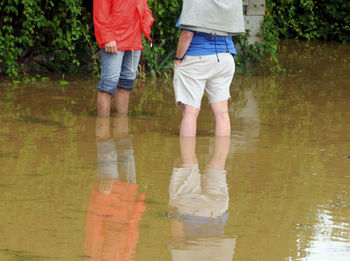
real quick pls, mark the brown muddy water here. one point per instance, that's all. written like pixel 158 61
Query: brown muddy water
pixel 74 187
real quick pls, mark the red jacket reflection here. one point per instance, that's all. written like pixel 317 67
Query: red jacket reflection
pixel 122 21
pixel 112 223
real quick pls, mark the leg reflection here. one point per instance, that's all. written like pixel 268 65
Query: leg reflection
pixel 115 208
pixel 199 205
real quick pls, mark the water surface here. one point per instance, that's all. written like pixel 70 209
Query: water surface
pixel 79 188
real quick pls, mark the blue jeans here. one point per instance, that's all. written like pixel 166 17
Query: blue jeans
pixel 118 70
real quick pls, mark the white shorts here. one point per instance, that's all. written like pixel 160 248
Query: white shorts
pixel 197 74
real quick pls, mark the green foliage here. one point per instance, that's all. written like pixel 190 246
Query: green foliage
pixel 164 34
pixel 263 52
pixel 312 19
pixel 57 36
pixel 38 34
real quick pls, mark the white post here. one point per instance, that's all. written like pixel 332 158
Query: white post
pixel 254 11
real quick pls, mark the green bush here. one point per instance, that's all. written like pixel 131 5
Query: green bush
pixel 43 34
pixel 312 19
pixel 164 34
pixel 57 36
pixel 262 52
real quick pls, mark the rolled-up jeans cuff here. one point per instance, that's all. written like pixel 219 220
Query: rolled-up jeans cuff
pixel 127 84
pixel 107 86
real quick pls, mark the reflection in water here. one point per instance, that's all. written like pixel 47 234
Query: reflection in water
pixel 288 164
pixel 323 249
pixel 198 205
pixel 114 209
pixel 246 130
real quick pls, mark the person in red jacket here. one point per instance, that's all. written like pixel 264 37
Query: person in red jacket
pixel 119 25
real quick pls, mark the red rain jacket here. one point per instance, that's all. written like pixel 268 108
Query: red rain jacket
pixel 122 21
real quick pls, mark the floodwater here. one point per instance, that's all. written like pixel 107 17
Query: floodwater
pixel 74 187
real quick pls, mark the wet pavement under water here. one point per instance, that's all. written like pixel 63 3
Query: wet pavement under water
pixel 74 187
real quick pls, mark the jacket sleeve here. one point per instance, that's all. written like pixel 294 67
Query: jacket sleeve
pixel 146 19
pixel 102 21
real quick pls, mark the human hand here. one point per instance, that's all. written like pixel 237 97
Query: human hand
pixel 111 47
pixel 177 62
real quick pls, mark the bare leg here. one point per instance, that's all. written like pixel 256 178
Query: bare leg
pixel 222 118
pixel 121 101
pixel 189 121
pixel 103 103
